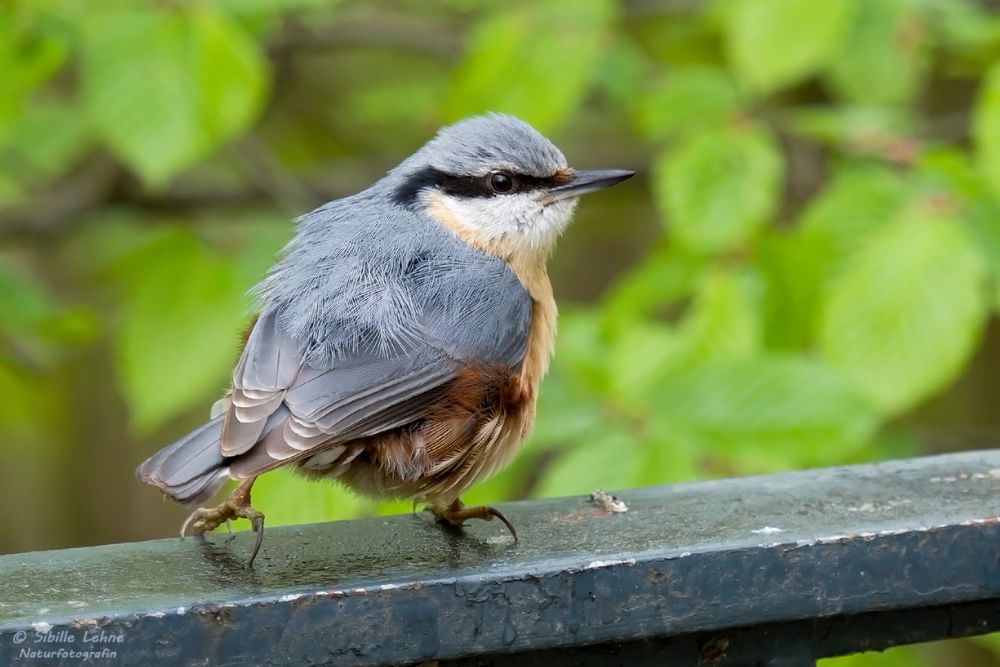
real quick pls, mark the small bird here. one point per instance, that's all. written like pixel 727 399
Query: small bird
pixel 401 337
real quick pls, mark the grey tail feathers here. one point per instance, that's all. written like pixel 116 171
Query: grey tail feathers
pixel 192 469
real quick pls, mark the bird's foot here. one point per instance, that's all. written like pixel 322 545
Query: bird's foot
pixel 236 506
pixel 456 514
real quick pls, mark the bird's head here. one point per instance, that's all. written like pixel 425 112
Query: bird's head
pixel 498 184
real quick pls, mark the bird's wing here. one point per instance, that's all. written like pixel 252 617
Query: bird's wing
pixel 268 367
pixel 282 408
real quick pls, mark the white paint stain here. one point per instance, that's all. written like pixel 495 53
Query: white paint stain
pixel 607 563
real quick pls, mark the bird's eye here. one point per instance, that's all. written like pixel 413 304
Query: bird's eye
pixel 501 182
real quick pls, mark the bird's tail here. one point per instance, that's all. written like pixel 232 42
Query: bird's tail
pixel 192 469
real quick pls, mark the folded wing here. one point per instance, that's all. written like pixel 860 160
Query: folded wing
pixel 283 409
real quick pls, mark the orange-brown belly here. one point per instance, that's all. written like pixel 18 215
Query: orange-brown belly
pixel 473 430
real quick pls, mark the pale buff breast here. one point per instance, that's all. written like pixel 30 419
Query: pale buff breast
pixel 501 440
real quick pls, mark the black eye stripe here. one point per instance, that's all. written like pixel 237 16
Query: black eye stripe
pixel 406 193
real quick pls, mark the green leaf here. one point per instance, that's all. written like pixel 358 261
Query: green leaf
pixel 857 202
pixel 143 107
pixel 884 57
pixel 231 75
pixel 12 190
pixel 293 500
pixel 767 409
pixel 776 43
pixel 665 277
pixel 986 129
pixel 252 240
pixel 378 103
pixel 950 170
pixel 267 8
pixel 47 141
pixel 35 327
pixel 991 642
pixel 581 349
pixel 621 71
pixel 905 314
pixel 687 97
pixel 509 484
pixel 106 237
pixel 567 411
pixel 32 412
pixel 667 40
pixel 178 333
pixel 200 81
pixel 882 132
pixel 669 454
pixel 901 656
pixel 30 53
pixel 719 187
pixel 610 461
pixel 23 302
pixel 724 323
pixel 965 27
pixel 535 61
pixel 642 354
pixel 794 269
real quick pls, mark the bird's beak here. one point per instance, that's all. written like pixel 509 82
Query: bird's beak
pixel 589 181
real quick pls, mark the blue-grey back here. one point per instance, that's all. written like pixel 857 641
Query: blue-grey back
pixel 366 276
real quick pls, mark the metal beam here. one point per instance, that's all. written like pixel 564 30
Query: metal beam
pixel 837 560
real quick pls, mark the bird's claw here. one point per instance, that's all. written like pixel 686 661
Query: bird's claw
pixel 457 513
pixel 494 512
pixel 236 506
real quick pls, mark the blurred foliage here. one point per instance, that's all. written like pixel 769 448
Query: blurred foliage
pixel 826 172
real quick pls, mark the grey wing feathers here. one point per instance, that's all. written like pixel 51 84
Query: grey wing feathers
pixel 340 404
pixel 184 468
pixel 335 398
pixel 266 369
pixel 482 315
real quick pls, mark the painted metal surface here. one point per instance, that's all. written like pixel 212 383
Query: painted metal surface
pixel 686 563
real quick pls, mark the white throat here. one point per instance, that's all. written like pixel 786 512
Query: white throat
pixel 519 224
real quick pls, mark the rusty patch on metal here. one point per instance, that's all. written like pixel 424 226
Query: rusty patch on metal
pixel 218 613
pixel 658 577
pixel 578 516
pixel 714 651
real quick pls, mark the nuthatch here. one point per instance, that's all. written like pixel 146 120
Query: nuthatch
pixel 402 337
